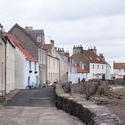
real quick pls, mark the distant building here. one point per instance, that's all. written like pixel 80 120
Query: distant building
pixel 96 64
pixel 29 39
pixel 118 70
pixel 76 73
pixel 37 35
pixel 64 67
pixel 53 63
pixel 26 66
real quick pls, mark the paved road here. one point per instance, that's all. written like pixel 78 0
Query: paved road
pixel 35 107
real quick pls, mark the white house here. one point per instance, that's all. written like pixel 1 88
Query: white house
pixel 96 64
pixel 72 73
pixel 118 70
pixel 27 69
pixel 76 73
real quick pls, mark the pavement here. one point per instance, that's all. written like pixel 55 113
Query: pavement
pixel 34 107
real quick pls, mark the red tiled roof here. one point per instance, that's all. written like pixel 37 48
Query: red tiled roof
pixel 79 70
pixel 47 47
pixel 94 58
pixel 21 47
pixel 119 65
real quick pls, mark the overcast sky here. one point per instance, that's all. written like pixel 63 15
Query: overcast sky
pixel 99 23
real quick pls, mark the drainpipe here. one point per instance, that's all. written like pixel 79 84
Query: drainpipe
pixel 5 67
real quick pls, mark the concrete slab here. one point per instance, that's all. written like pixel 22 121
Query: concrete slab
pixel 36 116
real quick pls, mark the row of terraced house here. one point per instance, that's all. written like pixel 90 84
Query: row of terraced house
pixel 27 61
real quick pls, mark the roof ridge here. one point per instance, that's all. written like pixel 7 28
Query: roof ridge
pixel 21 28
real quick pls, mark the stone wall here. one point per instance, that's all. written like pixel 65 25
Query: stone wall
pixel 86 111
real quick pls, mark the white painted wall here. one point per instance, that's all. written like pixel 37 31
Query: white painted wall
pixel 22 71
pixel 119 73
pixel 2 64
pixel 96 68
pixel 10 71
pixel 33 76
pixel 19 69
pixel 72 74
pixel 82 75
pixel 108 72
pixel 74 78
pixel 63 68
pixel 52 69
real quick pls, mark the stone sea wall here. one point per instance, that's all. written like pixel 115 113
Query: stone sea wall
pixel 88 112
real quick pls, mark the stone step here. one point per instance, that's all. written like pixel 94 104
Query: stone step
pixel 42 101
pixel 43 97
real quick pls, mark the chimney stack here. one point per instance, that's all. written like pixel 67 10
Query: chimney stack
pixel 101 55
pixel 52 43
pixel 28 28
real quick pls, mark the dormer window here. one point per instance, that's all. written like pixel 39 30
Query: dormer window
pixel 39 38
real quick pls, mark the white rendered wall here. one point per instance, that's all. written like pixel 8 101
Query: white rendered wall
pixel 72 74
pixel 2 64
pixel 119 73
pixel 32 75
pixel 96 70
pixel 20 69
pixel 10 71
pixel 53 69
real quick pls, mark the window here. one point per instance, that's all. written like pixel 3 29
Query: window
pixel 39 38
pixel 28 80
pixel 30 65
pixel 93 66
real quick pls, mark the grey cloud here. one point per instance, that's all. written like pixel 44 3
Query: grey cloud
pixel 87 22
pixel 80 9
